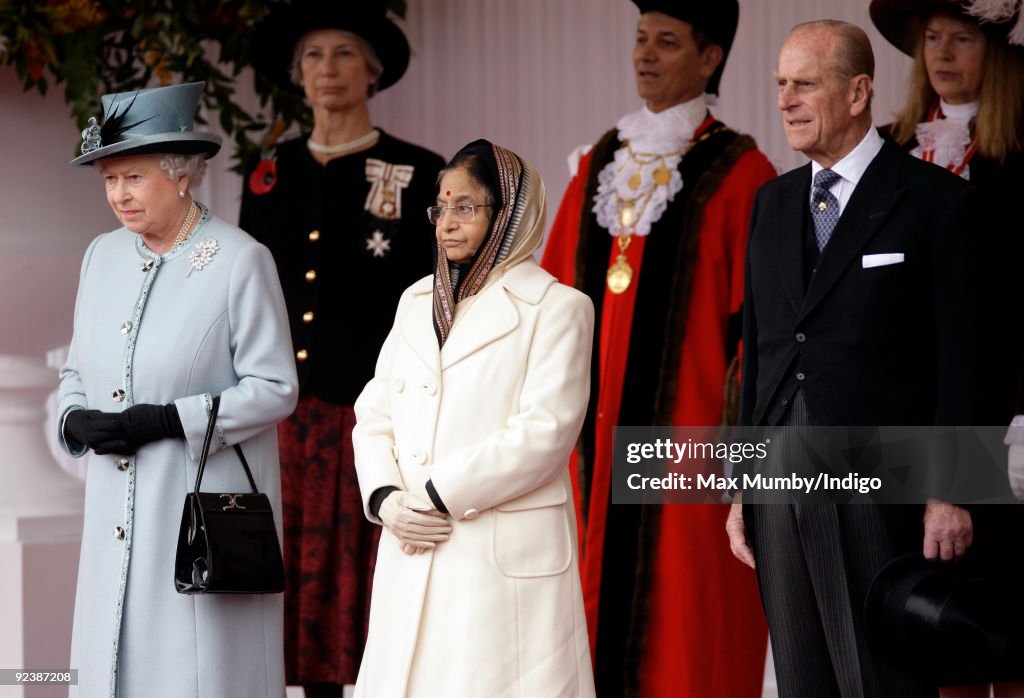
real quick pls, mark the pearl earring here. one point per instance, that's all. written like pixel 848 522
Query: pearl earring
pixel 181 194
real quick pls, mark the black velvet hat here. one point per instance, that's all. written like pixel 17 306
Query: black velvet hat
pixel 274 39
pixel 943 622
pixel 899 21
pixel 717 19
pixel 156 120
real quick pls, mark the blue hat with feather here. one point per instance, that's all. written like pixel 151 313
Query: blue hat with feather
pixel 156 120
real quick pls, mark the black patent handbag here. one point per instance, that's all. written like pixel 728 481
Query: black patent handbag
pixel 227 542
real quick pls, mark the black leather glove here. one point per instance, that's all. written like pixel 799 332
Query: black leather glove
pixel 90 427
pixel 139 425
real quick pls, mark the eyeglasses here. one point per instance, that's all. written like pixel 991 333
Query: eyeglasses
pixel 463 213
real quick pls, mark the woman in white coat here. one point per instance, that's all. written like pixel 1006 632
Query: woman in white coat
pixel 174 308
pixel 462 443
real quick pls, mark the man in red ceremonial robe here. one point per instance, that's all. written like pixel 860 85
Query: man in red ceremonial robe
pixel 653 226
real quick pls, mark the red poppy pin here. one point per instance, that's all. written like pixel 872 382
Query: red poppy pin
pixel 264 177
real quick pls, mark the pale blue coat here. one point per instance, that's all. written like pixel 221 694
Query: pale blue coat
pixel 164 331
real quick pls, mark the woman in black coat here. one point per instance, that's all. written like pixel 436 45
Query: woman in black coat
pixel 965 112
pixel 342 209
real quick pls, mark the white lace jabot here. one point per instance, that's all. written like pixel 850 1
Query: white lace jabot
pixel 947 138
pixel 635 188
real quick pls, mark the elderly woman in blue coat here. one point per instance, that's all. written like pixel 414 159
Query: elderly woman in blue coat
pixel 174 308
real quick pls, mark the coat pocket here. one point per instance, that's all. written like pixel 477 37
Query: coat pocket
pixel 531 533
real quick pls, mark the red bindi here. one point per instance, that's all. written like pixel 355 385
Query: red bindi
pixel 448 193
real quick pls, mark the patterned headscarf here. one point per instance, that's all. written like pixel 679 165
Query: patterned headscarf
pixel 515 232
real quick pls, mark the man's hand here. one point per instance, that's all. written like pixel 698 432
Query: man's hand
pixel 948 531
pixel 738 533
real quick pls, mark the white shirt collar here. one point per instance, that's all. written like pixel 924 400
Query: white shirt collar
pixel 959 112
pixel 852 166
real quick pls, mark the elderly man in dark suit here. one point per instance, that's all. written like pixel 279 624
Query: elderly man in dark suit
pixel 858 311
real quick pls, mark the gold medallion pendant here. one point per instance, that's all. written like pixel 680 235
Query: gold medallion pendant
pixel 620 274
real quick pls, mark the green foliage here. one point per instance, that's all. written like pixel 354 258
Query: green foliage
pixel 96 47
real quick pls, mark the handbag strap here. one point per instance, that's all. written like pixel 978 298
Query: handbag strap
pixel 214 408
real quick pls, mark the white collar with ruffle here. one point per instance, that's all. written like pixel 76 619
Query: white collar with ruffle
pixel 635 188
pixel 947 140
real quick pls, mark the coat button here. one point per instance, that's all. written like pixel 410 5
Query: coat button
pixel 394 451
pixel 122 464
pixel 118 395
pixel 399 384
pixel 314 235
pixel 801 337
pixel 800 376
pixel 419 456
pixel 430 388
pixel 311 275
pixel 307 317
pixel 118 533
pixel 471 514
pixel 302 355
pixel 126 327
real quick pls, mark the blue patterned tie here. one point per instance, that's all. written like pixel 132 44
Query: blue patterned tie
pixel 824 206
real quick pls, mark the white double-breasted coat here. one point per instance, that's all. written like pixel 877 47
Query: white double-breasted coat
pixel 490 419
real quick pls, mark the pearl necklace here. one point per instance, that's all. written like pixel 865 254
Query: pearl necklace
pixel 186 227
pixel 361 142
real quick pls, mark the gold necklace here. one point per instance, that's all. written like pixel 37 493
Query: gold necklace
pixel 620 274
pixel 661 176
pixel 186 227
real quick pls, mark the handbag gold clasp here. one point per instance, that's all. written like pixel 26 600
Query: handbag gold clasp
pixel 232 502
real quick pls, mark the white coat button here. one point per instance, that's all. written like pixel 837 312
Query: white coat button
pixel 118 533
pixel 431 388
pixel 399 385
pixel 419 456
pixel 117 395
pixel 122 464
pixel 394 452
pixel 471 514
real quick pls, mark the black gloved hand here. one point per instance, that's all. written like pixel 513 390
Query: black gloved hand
pixel 139 425
pixel 90 427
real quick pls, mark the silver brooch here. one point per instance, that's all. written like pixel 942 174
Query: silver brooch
pixel 378 244
pixel 91 137
pixel 202 254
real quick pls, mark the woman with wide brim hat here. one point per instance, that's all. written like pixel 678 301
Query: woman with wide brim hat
pixel 965 112
pixel 341 209
pixel 174 307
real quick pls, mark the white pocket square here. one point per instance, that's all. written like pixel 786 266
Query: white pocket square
pixel 881 260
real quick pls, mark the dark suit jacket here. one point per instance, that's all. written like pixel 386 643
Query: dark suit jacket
pixel 886 345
